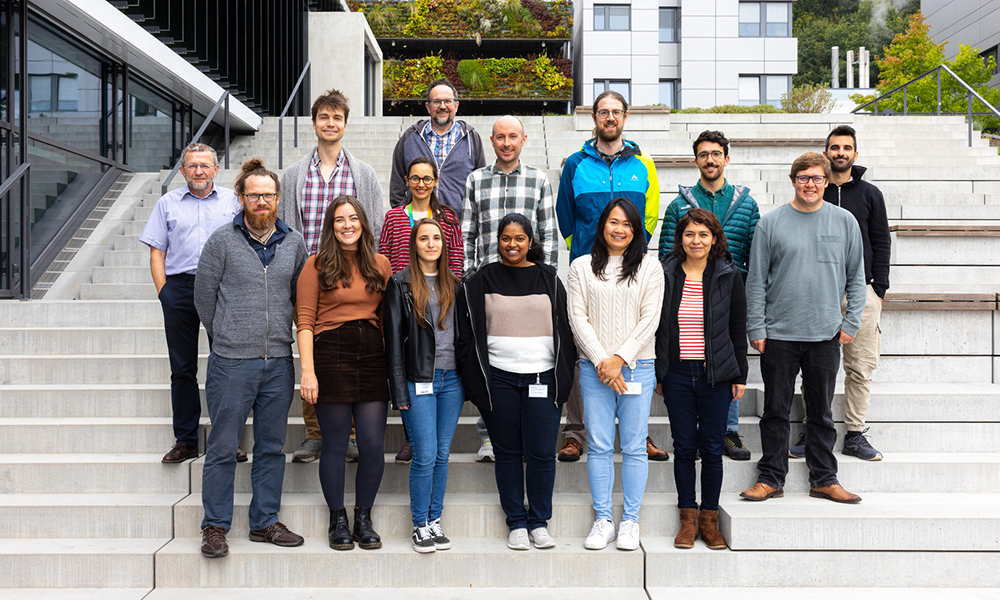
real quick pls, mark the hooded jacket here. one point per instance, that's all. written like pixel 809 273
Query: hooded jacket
pixel 865 202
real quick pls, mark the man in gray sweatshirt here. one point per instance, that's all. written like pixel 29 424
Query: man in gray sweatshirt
pixel 245 297
pixel 805 256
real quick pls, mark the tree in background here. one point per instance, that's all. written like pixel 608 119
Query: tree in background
pixel 808 99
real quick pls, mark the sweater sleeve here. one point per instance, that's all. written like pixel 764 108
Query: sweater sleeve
pixel 650 305
pixel 307 293
pixel 881 242
pixel 397 184
pixel 578 307
pixel 856 288
pixel 211 266
pixel 373 202
pixel 667 232
pixel 760 265
pixel 455 251
pixel 546 219
pixel 470 220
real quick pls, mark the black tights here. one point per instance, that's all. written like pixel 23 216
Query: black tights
pixel 335 425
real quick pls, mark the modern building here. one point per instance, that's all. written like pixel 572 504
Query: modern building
pixel 972 22
pixel 685 53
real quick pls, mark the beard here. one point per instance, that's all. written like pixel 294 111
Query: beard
pixel 198 187
pixel 707 177
pixel 443 122
pixel 262 222
pixel 842 169
pixel 605 136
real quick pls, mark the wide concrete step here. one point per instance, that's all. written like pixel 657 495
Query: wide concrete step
pixel 127 258
pixel 78 563
pixel 475 564
pixel 950 251
pixel 882 521
pixel 87 515
pixel 78 593
pixel 77 473
pixel 118 291
pixel 77 313
pixel 403 593
pixel 915 369
pixel 87 435
pixel 88 340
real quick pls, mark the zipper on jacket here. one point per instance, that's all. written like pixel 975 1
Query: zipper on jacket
pixel 267 315
pixel 472 324
pixel 555 334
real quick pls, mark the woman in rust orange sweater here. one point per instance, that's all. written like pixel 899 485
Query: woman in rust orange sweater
pixel 339 308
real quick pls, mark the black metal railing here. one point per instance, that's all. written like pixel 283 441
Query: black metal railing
pixel 224 99
pixel 295 118
pixel 969 93
pixel 23 263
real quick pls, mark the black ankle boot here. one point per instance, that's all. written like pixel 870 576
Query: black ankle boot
pixel 363 532
pixel 340 530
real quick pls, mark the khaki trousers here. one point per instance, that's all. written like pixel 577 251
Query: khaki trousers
pixel 860 361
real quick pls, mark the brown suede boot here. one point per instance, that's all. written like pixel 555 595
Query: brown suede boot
pixel 708 526
pixel 689 528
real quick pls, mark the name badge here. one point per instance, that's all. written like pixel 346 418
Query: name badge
pixel 538 390
pixel 633 388
pixel 424 389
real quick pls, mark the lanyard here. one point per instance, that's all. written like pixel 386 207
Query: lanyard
pixel 409 213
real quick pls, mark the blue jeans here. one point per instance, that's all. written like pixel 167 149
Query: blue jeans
pixel 232 388
pixel 697 423
pixel 733 416
pixel 601 405
pixel 431 421
pixel 523 429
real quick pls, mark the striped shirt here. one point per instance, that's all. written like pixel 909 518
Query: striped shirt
pixel 489 195
pixel 394 242
pixel 441 145
pixel 691 320
pixel 317 195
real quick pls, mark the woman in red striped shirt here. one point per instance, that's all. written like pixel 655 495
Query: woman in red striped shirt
pixel 701 364
pixel 394 243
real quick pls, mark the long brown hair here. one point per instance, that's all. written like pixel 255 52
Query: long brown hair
pixel 440 212
pixel 447 282
pixel 331 262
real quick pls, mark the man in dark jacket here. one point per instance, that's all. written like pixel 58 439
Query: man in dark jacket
pixel 454 145
pixel 738 214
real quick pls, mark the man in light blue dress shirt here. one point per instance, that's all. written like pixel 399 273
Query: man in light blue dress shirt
pixel 180 225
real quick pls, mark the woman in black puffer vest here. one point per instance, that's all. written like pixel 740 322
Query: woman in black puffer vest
pixel 701 364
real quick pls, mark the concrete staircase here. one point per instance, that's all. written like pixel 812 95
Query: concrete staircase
pixel 90 512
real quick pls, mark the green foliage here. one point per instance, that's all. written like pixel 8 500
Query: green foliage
pixel 452 19
pixel 552 80
pixel 912 54
pixel 731 109
pixel 475 76
pixel 409 78
pixel 808 99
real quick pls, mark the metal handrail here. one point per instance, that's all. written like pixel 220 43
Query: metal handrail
pixel 223 99
pixel 281 119
pixel 23 170
pixel 937 71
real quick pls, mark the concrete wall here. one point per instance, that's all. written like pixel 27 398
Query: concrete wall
pixel 337 46
pixel 972 22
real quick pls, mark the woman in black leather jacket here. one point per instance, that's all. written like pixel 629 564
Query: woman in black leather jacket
pixel 420 332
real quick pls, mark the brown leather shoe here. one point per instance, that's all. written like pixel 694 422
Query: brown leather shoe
pixel 180 453
pixel 761 491
pixel 653 452
pixel 570 451
pixel 708 527
pixel 689 528
pixel 835 492
pixel 213 542
pixel 241 456
pixel 277 534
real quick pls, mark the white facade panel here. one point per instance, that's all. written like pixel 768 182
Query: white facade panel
pixel 781 49
pixel 645 70
pixel 617 43
pixel 695 27
pixel 670 55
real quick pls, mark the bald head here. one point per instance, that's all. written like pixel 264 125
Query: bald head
pixel 508 141
pixel 507 121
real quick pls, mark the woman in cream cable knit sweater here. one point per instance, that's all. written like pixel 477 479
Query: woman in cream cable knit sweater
pixel 615 298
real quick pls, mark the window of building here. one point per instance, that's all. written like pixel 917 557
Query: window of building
pixel 51 92
pixel 622 86
pixel 670 25
pixel 765 19
pixel 612 17
pixel 670 93
pixel 763 89
pixel 993 53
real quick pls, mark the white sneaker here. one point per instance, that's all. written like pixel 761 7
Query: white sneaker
pixel 628 535
pixel 601 533
pixel 518 539
pixel 541 538
pixel 485 453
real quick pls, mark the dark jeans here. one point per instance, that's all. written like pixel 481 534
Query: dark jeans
pixel 698 414
pixel 779 365
pixel 523 428
pixel 180 321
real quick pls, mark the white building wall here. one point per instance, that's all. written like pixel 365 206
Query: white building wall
pixel 972 22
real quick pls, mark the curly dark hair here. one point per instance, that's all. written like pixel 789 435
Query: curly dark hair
pixel 720 246
pixel 715 137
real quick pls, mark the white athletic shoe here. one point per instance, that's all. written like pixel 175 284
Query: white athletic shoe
pixel 485 453
pixel 518 539
pixel 541 538
pixel 628 535
pixel 601 534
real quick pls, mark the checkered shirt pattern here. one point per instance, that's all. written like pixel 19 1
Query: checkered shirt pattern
pixel 318 194
pixel 489 195
pixel 441 145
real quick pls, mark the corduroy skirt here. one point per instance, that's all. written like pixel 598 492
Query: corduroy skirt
pixel 350 364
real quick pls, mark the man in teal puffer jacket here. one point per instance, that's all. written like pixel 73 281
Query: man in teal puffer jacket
pixel 737 212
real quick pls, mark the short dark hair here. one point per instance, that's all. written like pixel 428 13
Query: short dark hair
pixel 715 137
pixel 334 100
pixel 720 245
pixel 612 94
pixel 843 130
pixel 439 82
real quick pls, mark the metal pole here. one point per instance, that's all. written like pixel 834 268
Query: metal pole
pixel 280 143
pixel 970 119
pixel 126 117
pixel 114 112
pixel 23 141
pixel 904 100
pixel 939 92
pixel 227 130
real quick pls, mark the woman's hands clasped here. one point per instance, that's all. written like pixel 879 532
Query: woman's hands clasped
pixel 609 371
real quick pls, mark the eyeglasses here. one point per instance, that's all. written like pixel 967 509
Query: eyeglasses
pixel 199 167
pixel 804 179
pixel 605 113
pixel 269 198
pixel 444 102
pixel 716 154
pixel 426 179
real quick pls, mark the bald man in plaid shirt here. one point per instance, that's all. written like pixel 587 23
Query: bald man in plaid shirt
pixel 504 187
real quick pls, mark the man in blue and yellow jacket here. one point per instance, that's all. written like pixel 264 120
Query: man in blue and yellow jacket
pixel 606 167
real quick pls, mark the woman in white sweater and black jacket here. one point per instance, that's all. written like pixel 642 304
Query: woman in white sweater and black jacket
pixel 615 297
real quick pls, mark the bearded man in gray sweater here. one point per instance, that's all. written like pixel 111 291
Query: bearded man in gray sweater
pixel 805 256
